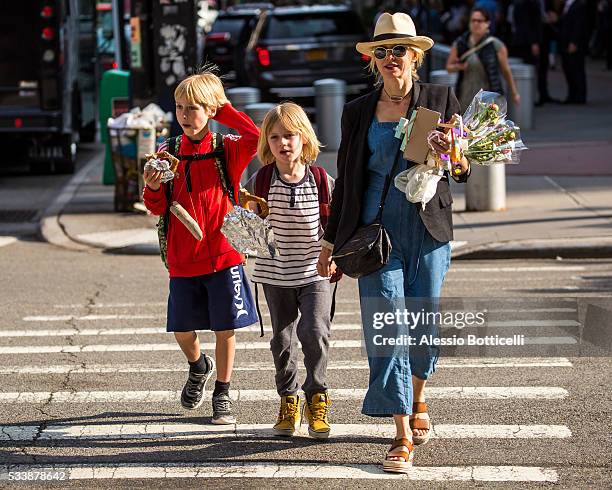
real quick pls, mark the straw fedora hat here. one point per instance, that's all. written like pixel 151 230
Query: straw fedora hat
pixel 397 28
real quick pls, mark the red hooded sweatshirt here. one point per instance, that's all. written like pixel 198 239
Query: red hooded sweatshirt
pixel 206 203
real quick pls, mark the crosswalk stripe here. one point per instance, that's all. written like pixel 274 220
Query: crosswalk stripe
pixel 532 323
pixel 83 318
pixel 545 268
pixel 333 344
pixel 50 349
pixel 338 301
pixel 64 332
pixel 449 363
pixel 293 471
pixel 132 396
pixel 256 328
pixel 57 432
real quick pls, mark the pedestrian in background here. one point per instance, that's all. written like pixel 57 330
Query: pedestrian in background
pixel 208 287
pixel 298 298
pixel 481 60
pixel 527 21
pixel 369 156
pixel 573 43
pixel 547 52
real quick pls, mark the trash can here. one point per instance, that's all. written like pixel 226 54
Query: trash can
pixel 128 147
pixel 525 80
pixel 443 77
pixel 113 100
pixel 329 102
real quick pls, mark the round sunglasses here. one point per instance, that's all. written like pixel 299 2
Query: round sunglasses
pixel 398 51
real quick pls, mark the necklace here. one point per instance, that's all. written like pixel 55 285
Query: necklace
pixel 395 98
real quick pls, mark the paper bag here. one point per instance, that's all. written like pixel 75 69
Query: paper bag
pixel 416 149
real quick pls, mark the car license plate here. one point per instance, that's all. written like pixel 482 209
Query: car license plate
pixel 316 55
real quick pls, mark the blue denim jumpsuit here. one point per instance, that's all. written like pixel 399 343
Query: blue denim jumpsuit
pixel 416 269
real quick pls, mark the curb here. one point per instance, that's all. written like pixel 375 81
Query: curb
pixel 575 248
pixel 51 229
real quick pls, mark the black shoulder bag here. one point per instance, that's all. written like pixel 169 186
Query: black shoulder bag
pixel 369 248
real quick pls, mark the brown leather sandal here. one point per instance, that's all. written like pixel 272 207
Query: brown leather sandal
pixel 420 424
pixel 395 466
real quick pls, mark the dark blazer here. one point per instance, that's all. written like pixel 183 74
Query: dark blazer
pixel 354 154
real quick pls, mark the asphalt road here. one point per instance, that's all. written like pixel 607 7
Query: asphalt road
pixel 89 384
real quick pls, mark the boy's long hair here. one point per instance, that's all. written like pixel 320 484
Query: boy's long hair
pixel 204 88
pixel 293 118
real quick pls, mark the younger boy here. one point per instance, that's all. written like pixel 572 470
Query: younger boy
pixel 208 288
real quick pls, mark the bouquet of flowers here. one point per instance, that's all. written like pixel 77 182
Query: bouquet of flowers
pixel 485 135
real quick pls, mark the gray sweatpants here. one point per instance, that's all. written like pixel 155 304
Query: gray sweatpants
pixel 313 302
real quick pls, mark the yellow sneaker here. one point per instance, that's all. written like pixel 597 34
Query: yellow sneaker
pixel 288 416
pixel 316 413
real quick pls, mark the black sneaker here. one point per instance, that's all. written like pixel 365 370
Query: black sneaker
pixel 192 395
pixel 222 410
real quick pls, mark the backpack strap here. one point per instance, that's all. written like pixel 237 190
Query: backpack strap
pixel 263 180
pixel 174 144
pixel 218 154
pixel 221 165
pixel 320 177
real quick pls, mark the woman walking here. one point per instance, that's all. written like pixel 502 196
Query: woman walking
pixel 370 154
pixel 481 60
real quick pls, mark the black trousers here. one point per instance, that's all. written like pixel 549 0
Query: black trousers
pixel 575 74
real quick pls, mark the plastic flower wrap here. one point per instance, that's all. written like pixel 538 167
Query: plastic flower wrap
pixel 248 233
pixel 487 136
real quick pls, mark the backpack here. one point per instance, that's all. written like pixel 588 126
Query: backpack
pixel 263 180
pixel 218 154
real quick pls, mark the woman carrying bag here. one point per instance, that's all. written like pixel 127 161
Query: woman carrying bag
pixel 481 61
pixel 415 263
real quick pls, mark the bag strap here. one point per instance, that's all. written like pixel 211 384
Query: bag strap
pixel 475 49
pixel 258 310
pixel 263 180
pixel 333 304
pixel 381 206
pixel 320 177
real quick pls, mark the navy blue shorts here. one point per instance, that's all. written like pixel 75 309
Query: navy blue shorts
pixel 218 301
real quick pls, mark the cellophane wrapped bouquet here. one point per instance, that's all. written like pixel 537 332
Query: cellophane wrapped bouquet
pixel 487 137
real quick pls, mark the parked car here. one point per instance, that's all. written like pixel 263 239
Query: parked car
pixel 291 47
pixel 226 42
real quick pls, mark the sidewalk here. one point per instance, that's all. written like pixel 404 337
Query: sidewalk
pixel 559 199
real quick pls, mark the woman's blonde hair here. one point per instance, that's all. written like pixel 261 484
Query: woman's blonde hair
pixel 203 89
pixel 419 56
pixel 293 118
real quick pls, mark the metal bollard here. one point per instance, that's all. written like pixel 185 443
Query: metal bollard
pixel 486 188
pixel 439 54
pixel 329 104
pixel 524 77
pixel 256 112
pixel 443 77
pixel 239 97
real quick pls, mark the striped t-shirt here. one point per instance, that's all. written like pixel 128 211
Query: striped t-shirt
pixel 294 217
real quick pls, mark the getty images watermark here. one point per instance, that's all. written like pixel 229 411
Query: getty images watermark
pixel 422 329
pixel 487 327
